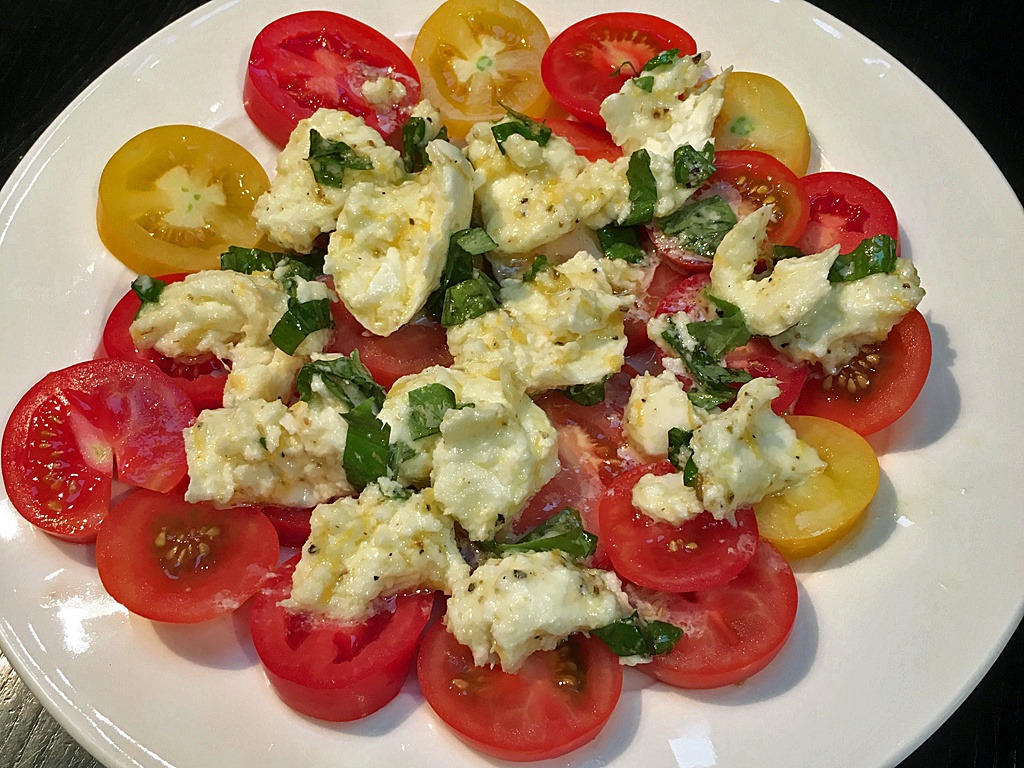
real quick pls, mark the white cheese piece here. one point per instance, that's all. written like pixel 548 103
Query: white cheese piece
pixel 429 113
pixel 530 601
pixel 772 304
pixel 851 316
pixel 383 91
pixel 676 324
pixel 296 209
pixel 560 329
pixel 390 244
pixel 657 404
pixel 231 315
pixel 260 452
pixel 375 546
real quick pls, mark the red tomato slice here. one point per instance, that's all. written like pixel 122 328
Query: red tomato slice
pixel 845 210
pixel 291 523
pixel 593 58
pixel 671 250
pixel 664 280
pixel 202 379
pixel 701 553
pixel 410 349
pixel 71 429
pixel 558 700
pixel 330 670
pixel 168 560
pixel 589 141
pixel 897 377
pixel 315 59
pixel 748 179
pixel 731 631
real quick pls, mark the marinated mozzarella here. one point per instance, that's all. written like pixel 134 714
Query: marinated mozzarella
pixel 375 546
pixel 530 601
pixel 657 404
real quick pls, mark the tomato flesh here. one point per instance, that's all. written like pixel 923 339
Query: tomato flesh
pixel 845 210
pixel 71 430
pixel 589 141
pixel 330 670
pixel 558 700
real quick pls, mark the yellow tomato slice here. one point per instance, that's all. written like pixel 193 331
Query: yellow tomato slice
pixel 807 518
pixel 476 57
pixel 760 113
pixel 174 198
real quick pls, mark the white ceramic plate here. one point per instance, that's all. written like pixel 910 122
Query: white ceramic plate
pixel 895 627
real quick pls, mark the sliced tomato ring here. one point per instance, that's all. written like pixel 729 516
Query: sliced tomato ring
pixel 895 371
pixel 748 179
pixel 589 141
pixel 663 280
pixel 203 380
pixel 292 523
pixel 313 59
pixel 591 59
pixel 699 554
pixel 670 249
pixel 167 560
pixel 845 210
pixel 558 700
pixel 76 426
pixel 731 631
pixel 330 670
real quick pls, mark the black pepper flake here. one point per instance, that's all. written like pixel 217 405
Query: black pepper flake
pixel 471 587
pixel 312 549
pixel 519 574
pixel 376 578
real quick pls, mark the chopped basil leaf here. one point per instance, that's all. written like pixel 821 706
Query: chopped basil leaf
pixel 693 167
pixel 585 394
pixel 459 266
pixel 249 260
pixel 563 532
pixel 329 159
pixel 526 127
pixel 681 455
pixel 635 637
pixel 723 334
pixel 618 70
pixel 414 144
pixel 470 298
pixel 708 399
pixel 663 58
pixel 700 226
pixel 538 265
pixel 780 252
pixel 873 256
pixel 300 320
pixel 474 241
pixel 645 83
pixel 148 289
pixel 643 189
pixel 427 406
pixel 715 384
pixel 366 446
pixel 344 377
pixel 621 243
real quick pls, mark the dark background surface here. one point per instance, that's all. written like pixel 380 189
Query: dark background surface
pixel 967 52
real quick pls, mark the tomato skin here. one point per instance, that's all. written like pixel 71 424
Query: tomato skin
pixel 239 550
pixel 411 349
pixel 845 210
pixel 746 171
pixel 330 670
pixel 699 554
pixel 588 140
pixel 531 715
pixel 296 57
pixel 64 435
pixel 906 356
pixel 665 278
pixel 203 382
pixel 736 629
pixel 292 523
pixel 584 63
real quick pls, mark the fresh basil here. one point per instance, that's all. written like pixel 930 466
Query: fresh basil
pixel 427 406
pixel 300 320
pixel 700 226
pixel 329 159
pixel 681 455
pixel 459 267
pixel 780 252
pixel 585 394
pixel 645 83
pixel 715 384
pixel 563 532
pixel 470 298
pixel 538 265
pixel 693 167
pixel 663 58
pixel 344 377
pixel 635 637
pixel 522 125
pixel 366 446
pixel 249 260
pixel 621 243
pixel 721 335
pixel 414 143
pixel 875 255
pixel 643 189
pixel 148 289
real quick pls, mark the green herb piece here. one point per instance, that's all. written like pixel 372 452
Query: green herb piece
pixel 459 266
pixel 585 394
pixel 645 83
pixel 681 455
pixel 693 167
pixel 715 384
pixel 469 299
pixel 414 144
pixel 663 58
pixel 522 125
pixel 700 226
pixel 538 265
pixel 780 252
pixel 346 378
pixel 249 260
pixel 643 189
pixel 148 289
pixel 427 406
pixel 366 446
pixel 263 443
pixel 563 532
pixel 329 159
pixel 300 320
pixel 635 637
pixel 621 243
pixel 875 255
pixel 723 334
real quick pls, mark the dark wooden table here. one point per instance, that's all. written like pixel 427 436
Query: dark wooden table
pixel 967 52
